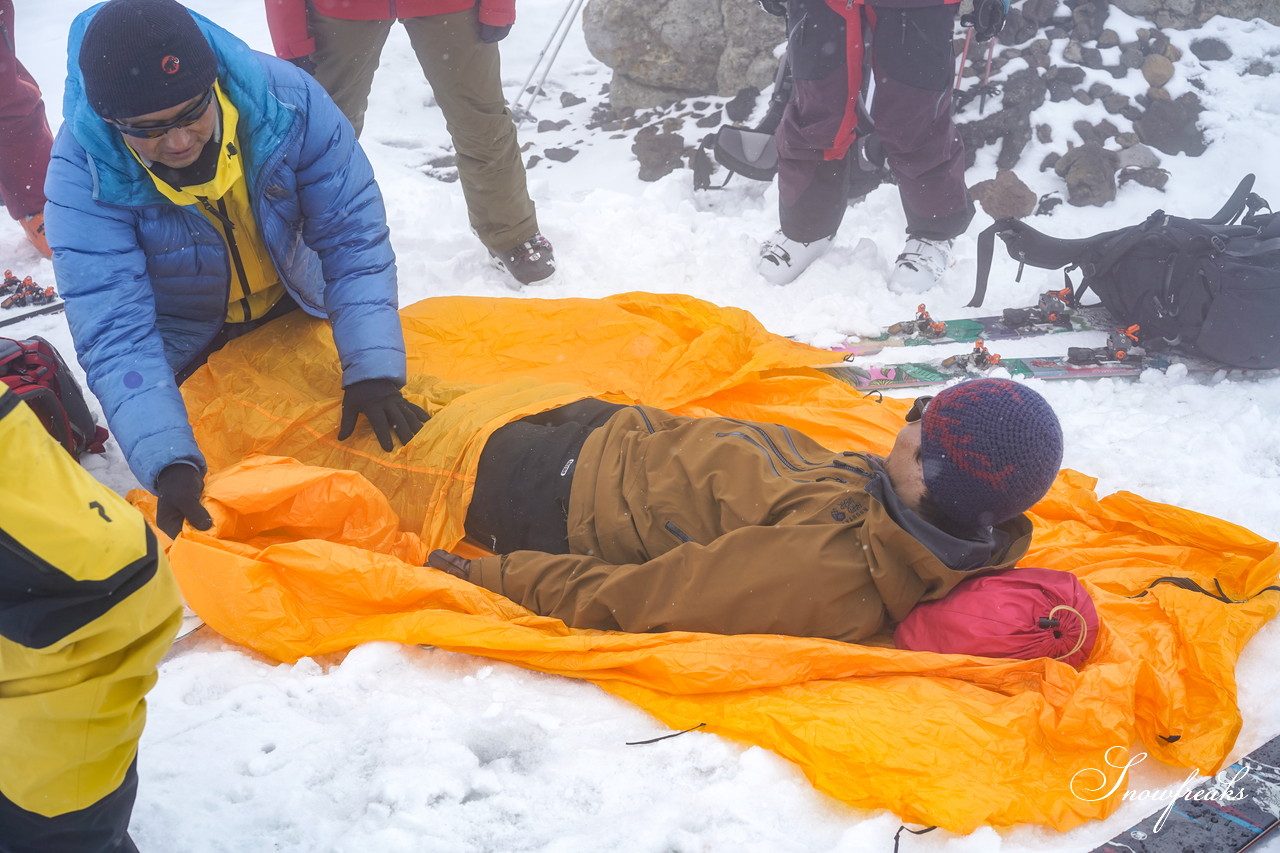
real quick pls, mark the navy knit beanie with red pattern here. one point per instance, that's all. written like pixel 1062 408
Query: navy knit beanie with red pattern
pixel 144 56
pixel 990 449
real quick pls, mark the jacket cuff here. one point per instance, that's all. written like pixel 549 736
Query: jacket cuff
pixel 153 454
pixel 371 346
pixel 297 49
pixel 498 13
pixel 487 572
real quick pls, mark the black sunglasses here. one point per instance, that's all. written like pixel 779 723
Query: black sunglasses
pixel 155 131
pixel 916 412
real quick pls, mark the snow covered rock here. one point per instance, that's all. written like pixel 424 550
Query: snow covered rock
pixel 664 50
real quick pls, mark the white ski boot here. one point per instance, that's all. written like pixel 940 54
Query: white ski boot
pixel 921 265
pixel 783 259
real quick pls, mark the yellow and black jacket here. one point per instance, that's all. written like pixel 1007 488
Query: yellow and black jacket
pixel 88 607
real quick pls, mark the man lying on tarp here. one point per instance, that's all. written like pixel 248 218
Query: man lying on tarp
pixel 631 518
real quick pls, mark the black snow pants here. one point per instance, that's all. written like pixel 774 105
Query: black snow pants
pixel 521 497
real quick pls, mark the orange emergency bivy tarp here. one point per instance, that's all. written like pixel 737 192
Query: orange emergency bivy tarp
pixel 320 554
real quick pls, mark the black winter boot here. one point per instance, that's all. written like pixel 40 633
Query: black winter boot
pixel 532 261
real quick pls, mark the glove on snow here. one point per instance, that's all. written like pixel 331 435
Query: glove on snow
pixel 178 487
pixel 381 402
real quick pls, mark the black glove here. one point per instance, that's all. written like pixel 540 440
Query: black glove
pixel 179 486
pixel 381 402
pixel 450 564
pixel 987 18
pixel 774 7
pixel 489 34
pixel 306 63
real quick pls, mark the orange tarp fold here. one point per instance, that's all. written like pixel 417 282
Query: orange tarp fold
pixel 318 546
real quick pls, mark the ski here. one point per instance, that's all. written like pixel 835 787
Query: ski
pixel 1230 813
pixel 1120 358
pixel 9 320
pixel 19 293
pixel 190 624
pixel 1051 315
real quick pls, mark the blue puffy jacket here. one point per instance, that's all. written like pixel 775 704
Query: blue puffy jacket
pixel 146 281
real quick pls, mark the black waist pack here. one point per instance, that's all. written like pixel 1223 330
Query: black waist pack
pixel 1208 287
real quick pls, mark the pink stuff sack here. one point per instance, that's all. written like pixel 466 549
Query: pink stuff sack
pixel 1012 613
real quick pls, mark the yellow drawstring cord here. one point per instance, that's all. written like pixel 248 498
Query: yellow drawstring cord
pixel 1084 629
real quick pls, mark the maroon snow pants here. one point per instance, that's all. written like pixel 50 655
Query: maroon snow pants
pixel 912 60
pixel 25 140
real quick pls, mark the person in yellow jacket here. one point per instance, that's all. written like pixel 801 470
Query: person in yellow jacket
pixel 88 607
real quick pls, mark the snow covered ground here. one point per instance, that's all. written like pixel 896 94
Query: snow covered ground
pixel 410 749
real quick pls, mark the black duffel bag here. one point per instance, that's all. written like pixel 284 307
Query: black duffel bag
pixel 1208 287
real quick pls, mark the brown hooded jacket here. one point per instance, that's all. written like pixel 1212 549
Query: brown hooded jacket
pixel 731 527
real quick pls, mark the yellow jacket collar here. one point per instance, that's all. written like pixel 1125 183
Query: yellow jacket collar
pixel 230 161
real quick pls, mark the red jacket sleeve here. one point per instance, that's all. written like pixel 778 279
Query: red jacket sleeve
pixel 497 13
pixel 287 20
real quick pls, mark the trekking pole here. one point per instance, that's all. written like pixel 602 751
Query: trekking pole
pixel 519 112
pixel 964 57
pixel 537 62
pixel 986 78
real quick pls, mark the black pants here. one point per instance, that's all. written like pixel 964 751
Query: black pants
pixel 521 498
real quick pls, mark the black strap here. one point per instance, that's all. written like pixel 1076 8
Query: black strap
pixel 1029 246
pixel 1238 249
pixel 1254 204
pixel 901 829
pixel 1268 225
pixel 1234 206
pixel 986 249
pixel 1191 586
pixel 664 737
pixel 703 167
pixel 783 88
pixel 1112 252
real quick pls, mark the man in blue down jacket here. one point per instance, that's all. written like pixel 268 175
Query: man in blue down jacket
pixel 199 189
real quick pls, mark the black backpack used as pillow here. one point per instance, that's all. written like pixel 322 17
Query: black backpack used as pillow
pixel 1208 287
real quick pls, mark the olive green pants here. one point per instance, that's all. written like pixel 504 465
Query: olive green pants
pixel 465 75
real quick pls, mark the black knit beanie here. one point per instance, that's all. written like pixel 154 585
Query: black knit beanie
pixel 143 56
pixel 990 449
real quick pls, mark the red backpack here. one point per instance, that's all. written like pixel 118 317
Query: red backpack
pixel 35 371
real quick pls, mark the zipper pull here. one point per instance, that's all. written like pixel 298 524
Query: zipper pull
pixel 218 214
